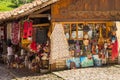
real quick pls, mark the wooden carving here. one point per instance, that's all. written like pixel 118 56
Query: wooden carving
pixel 79 10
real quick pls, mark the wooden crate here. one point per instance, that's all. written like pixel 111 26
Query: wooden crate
pixel 52 67
pixel 60 64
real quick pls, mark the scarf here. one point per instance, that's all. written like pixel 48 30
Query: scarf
pixel 115 50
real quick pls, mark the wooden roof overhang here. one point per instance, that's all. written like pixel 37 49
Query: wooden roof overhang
pixel 26 10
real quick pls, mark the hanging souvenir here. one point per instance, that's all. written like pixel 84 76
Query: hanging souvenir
pixel 67 30
pixel 101 39
pixel 9 29
pixel 113 39
pixel 97 49
pixel 104 31
pixel 97 60
pixel 29 32
pixel 67 35
pixel 1 32
pixel 93 49
pixel 15 35
pixel 90 33
pixel 114 28
pixel 86 40
pixel 80 30
pixel 33 46
pixel 25 29
pixel 73 28
pixel 86 28
pixel 80 34
pixel 115 50
pixel 77 49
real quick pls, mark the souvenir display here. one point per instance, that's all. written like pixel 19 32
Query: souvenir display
pixel 97 60
pixel 74 33
pixel 75 60
pixel 100 40
pixel 93 43
pixel 67 30
pixel 80 34
pixel 80 30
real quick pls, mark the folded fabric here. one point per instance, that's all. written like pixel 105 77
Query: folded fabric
pixel 75 60
pixel 85 62
pixel 97 60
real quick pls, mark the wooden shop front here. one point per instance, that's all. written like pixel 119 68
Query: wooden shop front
pixel 90 29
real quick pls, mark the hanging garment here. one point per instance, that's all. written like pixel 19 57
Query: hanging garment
pixel 77 50
pixel 9 30
pixel 1 32
pixel 86 28
pixel 29 32
pixel 59 45
pixel 33 46
pixel 115 50
pixel 25 30
pixel 15 33
pixel 90 33
pixel 34 35
pixel 41 36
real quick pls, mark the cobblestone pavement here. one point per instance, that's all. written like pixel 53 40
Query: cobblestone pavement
pixel 41 77
pixel 5 74
pixel 92 73
pixel 24 74
pixel 98 73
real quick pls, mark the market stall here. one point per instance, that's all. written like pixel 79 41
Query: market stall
pixel 90 31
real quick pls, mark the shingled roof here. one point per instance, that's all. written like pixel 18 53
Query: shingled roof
pixel 25 9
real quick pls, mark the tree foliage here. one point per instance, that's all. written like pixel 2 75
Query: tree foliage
pixel 7 5
pixel 19 2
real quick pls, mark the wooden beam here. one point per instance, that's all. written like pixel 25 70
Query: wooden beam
pixel 42 10
pixel 41 25
pixel 38 15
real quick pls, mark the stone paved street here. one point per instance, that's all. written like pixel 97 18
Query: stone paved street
pixel 98 73
pixel 42 77
pixel 92 73
pixel 5 74
pixel 24 74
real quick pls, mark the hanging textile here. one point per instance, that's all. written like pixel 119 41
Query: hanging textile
pixel 33 46
pixel 41 36
pixel 15 33
pixel 115 50
pixel 59 45
pixel 29 33
pixel 1 32
pixel 9 30
pixel 25 30
pixel 34 35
